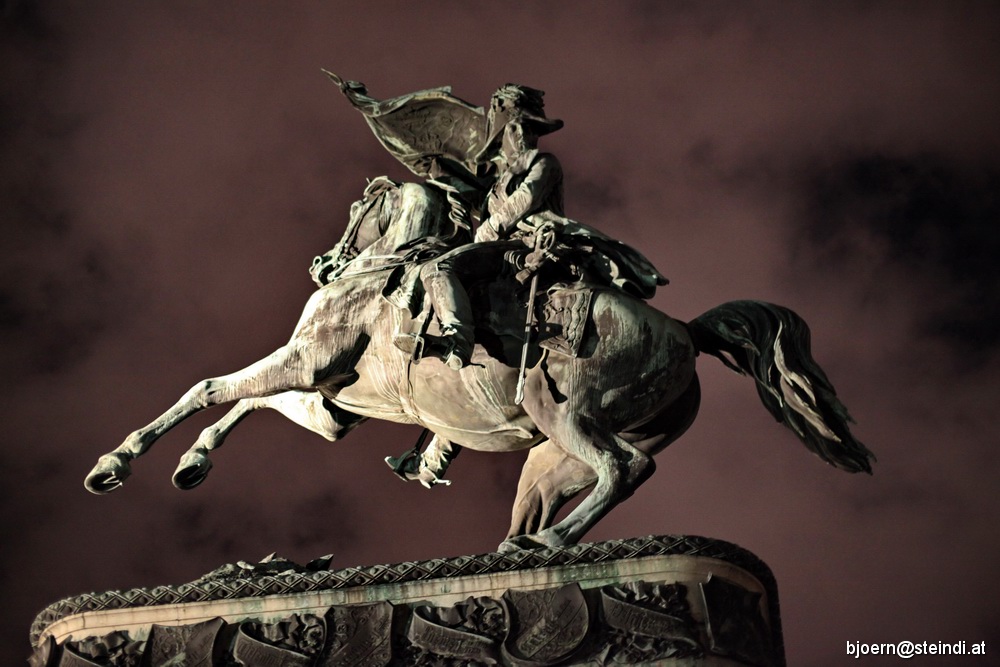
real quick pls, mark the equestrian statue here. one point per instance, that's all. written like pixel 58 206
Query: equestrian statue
pixel 468 303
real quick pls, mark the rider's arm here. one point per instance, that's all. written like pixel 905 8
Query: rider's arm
pixel 530 197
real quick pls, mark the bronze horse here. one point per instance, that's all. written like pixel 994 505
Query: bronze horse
pixel 593 420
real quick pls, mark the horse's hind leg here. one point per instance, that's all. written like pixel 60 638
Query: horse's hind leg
pixel 619 467
pixel 309 409
pixel 289 367
pixel 548 480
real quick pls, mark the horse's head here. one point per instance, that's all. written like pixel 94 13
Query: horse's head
pixel 369 218
pixel 395 215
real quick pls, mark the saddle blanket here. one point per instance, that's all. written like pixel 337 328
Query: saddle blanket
pixel 562 318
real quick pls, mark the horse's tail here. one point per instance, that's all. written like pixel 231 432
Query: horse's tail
pixel 771 343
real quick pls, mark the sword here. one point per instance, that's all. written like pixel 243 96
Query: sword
pixel 544 239
pixel 528 322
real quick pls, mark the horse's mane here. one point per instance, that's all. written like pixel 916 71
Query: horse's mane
pixel 408 226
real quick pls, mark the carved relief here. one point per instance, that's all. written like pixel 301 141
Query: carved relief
pixel 359 636
pixel 44 653
pixel 252 582
pixel 303 634
pixel 736 626
pixel 647 622
pixel 628 623
pixel 636 623
pixel 193 644
pixel 71 658
pixel 547 625
pixel 253 652
pixel 115 649
pixel 469 631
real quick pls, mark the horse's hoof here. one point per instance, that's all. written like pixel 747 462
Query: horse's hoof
pixel 519 543
pixel 192 470
pixel 109 473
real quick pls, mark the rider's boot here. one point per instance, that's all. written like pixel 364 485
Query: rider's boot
pixel 427 467
pixel 457 353
pixel 454 313
pixel 452 347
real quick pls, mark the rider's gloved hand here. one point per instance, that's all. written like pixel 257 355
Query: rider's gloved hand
pixel 532 262
pixel 487 231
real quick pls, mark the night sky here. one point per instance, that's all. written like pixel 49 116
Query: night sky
pixel 169 170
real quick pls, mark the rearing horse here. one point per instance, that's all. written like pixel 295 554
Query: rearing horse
pixel 600 415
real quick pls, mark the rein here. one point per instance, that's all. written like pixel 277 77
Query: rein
pixel 349 273
pixel 348 245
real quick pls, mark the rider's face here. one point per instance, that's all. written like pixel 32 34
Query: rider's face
pixel 517 139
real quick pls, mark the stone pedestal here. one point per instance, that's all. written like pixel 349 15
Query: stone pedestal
pixel 662 600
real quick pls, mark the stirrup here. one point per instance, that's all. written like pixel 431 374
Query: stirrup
pixel 447 348
pixel 405 466
pixel 456 352
pixel 411 343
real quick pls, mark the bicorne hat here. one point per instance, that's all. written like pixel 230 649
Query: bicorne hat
pixel 515 103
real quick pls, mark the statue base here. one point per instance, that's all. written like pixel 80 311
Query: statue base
pixel 660 600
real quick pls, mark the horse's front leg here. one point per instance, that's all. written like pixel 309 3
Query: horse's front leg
pixel 289 367
pixel 309 409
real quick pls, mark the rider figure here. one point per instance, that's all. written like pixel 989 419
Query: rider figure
pixel 523 206
pixel 526 193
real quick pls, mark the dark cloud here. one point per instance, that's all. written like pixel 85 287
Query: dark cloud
pixel 61 286
pixel 664 21
pixel 317 517
pixel 937 217
pixel 53 311
pixel 25 24
pixel 597 199
pixel 242 525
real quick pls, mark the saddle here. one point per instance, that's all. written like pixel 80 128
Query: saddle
pixel 562 311
pixel 499 308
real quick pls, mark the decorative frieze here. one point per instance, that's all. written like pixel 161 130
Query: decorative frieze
pixel 656 600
